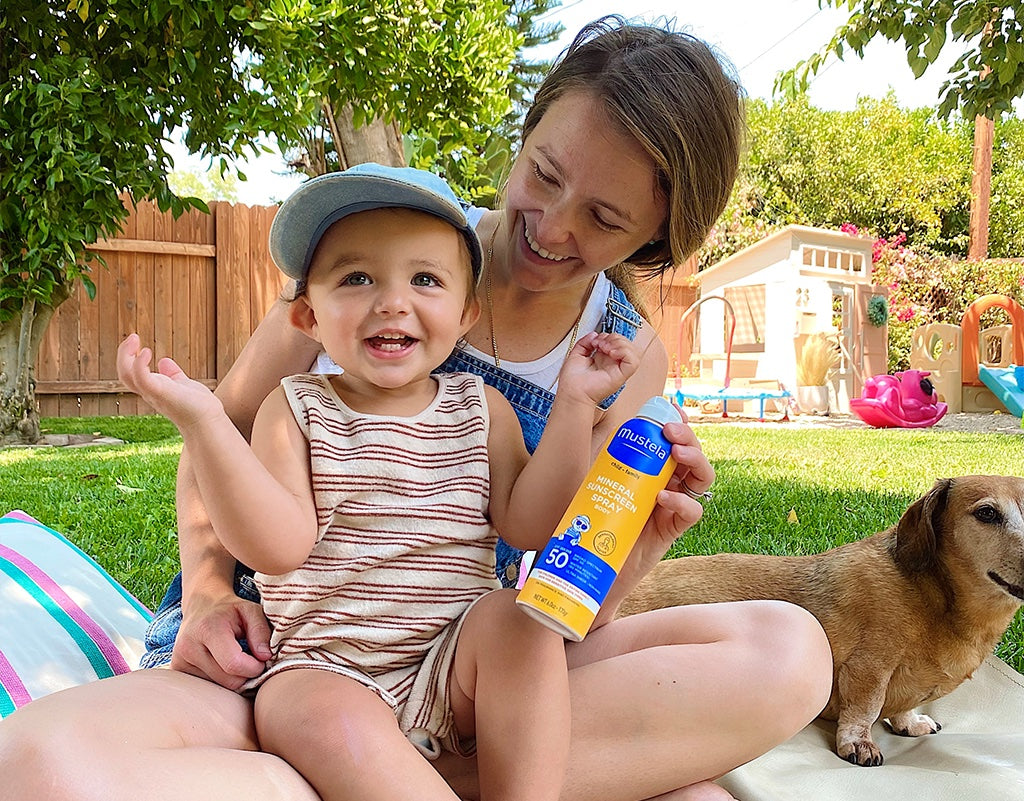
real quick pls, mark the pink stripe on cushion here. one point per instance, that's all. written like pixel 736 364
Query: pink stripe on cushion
pixel 17 514
pixel 75 612
pixel 11 683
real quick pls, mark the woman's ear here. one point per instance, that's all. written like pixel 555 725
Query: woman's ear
pixel 302 316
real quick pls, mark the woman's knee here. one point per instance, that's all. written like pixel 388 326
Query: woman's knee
pixel 47 756
pixel 790 646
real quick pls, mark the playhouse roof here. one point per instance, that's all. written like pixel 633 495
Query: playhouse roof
pixel 786 240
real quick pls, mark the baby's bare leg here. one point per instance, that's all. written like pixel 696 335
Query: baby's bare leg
pixel 343 739
pixel 511 689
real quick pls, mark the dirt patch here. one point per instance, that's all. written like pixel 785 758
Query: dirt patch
pixel 71 441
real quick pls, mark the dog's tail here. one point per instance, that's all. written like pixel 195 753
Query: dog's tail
pixel 722 577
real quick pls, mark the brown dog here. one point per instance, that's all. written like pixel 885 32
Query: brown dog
pixel 910 612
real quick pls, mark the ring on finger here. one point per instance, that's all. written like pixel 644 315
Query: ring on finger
pixel 697 496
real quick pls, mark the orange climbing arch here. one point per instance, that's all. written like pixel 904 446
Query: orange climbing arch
pixel 970 326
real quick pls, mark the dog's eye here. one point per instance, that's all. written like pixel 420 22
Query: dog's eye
pixel 986 513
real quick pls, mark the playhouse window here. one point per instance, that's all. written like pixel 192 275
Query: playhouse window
pixel 843 261
pixel 748 304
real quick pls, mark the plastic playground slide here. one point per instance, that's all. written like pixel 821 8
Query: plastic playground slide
pixel 1007 384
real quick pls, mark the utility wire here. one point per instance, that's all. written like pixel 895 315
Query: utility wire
pixel 780 41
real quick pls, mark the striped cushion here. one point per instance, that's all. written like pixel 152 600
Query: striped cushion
pixel 63 619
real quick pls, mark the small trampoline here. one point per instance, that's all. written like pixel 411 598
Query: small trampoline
pixel 705 392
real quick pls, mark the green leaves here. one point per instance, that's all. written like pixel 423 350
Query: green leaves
pixel 90 92
pixel 990 33
pixel 883 168
pixel 439 69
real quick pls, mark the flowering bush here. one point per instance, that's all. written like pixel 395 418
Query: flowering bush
pixel 928 288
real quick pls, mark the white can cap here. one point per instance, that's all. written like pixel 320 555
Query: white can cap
pixel 660 410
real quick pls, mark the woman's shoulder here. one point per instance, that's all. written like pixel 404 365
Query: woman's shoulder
pixel 473 213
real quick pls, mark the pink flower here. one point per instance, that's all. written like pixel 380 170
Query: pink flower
pixel 849 228
pixel 906 315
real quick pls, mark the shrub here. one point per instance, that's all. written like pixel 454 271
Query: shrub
pixel 929 288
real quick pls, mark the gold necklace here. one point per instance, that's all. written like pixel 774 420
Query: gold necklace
pixel 490 304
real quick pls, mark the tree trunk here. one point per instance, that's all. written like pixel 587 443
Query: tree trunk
pixel 981 176
pixel 981 187
pixel 376 141
pixel 20 340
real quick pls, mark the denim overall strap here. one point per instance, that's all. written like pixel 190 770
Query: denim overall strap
pixel 532 404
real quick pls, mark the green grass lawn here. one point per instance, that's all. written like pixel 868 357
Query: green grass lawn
pixel 117 502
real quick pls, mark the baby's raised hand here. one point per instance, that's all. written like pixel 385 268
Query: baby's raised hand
pixel 598 365
pixel 169 391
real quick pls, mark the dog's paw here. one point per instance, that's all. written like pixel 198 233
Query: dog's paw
pixel 858 748
pixel 912 724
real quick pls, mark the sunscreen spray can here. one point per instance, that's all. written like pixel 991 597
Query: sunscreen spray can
pixel 572 575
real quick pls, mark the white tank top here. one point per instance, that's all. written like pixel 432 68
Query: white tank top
pixel 544 371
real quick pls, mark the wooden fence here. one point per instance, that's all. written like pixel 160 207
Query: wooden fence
pixel 193 288
pixel 666 299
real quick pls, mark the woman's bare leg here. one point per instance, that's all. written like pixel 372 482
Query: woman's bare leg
pixel 668 699
pixel 153 734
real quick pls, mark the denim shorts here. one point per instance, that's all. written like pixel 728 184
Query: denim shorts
pixel 532 405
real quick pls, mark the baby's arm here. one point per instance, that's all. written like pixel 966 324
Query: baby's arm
pixel 265 517
pixel 529 496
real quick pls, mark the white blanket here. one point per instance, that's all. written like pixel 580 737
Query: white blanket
pixel 978 755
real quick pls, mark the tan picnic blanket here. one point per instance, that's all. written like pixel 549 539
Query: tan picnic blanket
pixel 978 755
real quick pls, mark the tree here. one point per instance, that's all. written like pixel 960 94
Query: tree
pixel 479 171
pixel 92 90
pixel 474 160
pixel 207 186
pixel 89 95
pixel 986 78
pixel 925 27
pixel 889 171
pixel 878 166
pixel 358 74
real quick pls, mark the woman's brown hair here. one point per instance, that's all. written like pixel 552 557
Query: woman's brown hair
pixel 681 102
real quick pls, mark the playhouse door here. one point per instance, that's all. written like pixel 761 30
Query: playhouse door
pixel 871 346
pixel 843 322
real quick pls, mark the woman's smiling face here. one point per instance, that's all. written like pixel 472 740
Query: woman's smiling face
pixel 582 197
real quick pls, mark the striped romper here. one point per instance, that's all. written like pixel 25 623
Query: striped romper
pixel 404 547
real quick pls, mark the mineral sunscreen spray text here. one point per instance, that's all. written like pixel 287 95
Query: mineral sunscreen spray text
pixel 572 575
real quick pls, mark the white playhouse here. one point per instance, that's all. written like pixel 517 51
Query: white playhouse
pixel 797 282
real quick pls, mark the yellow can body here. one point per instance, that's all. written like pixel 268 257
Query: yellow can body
pixel 571 577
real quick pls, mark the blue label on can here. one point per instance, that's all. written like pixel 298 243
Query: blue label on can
pixel 578 566
pixel 639 444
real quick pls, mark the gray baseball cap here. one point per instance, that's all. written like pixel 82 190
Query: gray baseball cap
pixel 315 206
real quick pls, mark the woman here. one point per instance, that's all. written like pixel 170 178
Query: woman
pixel 628 156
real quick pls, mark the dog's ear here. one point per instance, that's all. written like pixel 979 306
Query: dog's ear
pixel 918 531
